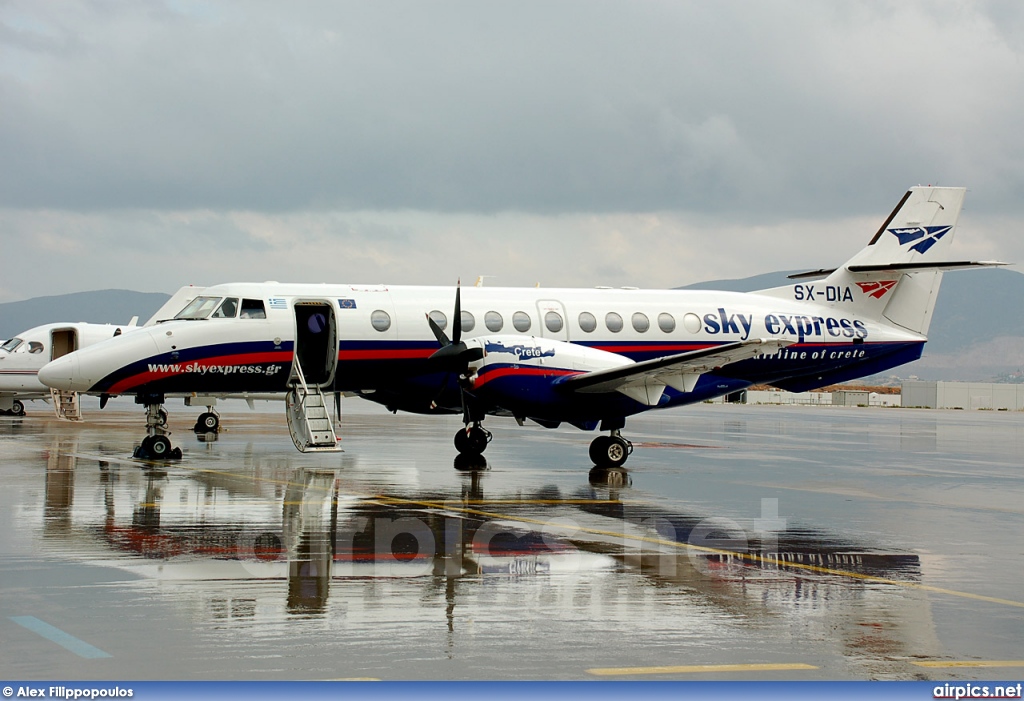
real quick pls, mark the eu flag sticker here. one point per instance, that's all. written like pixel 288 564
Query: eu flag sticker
pixel 347 303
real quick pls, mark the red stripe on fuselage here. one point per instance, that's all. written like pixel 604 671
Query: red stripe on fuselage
pixel 397 354
pixel 219 361
pixel 653 348
pixel 520 372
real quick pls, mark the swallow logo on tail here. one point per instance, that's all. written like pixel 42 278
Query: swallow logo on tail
pixel 925 236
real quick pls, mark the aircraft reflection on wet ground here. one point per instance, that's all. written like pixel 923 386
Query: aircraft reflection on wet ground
pixel 593 571
pixel 314 533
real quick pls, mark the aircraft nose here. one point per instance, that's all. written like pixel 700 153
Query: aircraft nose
pixel 64 373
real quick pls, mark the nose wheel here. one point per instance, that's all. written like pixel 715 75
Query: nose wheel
pixel 610 451
pixel 156 445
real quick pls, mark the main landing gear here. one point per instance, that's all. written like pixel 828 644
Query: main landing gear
pixel 17 409
pixel 610 451
pixel 473 439
pixel 208 422
pixel 156 445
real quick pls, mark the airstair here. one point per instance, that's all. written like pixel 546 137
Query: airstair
pixel 309 423
pixel 66 404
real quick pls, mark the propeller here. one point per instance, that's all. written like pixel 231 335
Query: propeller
pixel 453 355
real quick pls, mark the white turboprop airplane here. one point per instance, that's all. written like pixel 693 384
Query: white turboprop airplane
pixel 22 357
pixel 588 357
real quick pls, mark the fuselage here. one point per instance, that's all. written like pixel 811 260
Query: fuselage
pixel 24 355
pixel 375 341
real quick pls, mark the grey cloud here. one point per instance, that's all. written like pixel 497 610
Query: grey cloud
pixel 759 110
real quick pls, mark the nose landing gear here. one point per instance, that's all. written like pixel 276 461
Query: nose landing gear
pixel 156 445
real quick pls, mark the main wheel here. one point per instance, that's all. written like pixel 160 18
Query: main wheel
pixel 18 408
pixel 609 451
pixel 474 441
pixel 160 447
pixel 208 422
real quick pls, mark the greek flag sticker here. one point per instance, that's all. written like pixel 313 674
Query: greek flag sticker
pixel 278 303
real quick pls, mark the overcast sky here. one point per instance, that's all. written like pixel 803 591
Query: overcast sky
pixel 151 145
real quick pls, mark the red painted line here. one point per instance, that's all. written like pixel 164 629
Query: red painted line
pixel 520 372
pixel 413 353
pixel 682 348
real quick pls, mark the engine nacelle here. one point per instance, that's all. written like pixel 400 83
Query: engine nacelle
pixel 522 373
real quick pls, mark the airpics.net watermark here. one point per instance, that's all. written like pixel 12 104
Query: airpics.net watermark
pixel 457 539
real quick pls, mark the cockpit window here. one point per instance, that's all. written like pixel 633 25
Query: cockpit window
pixel 253 309
pixel 35 347
pixel 227 309
pixel 11 345
pixel 198 308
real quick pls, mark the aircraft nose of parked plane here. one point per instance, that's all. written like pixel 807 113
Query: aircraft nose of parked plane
pixel 64 373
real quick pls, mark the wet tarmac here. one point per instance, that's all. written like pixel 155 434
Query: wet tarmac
pixel 742 542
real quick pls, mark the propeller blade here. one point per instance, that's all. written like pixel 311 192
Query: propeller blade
pixel 457 357
pixel 442 339
pixel 457 321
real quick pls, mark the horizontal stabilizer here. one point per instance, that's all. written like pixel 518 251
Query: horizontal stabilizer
pixel 824 272
pixel 914 267
pixel 646 380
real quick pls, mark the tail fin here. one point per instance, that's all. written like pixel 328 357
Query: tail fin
pixel 896 277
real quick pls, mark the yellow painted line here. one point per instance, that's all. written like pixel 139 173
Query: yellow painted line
pixel 751 557
pixel 942 664
pixel 699 669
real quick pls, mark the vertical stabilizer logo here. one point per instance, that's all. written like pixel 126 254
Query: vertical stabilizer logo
pixel 876 289
pixel 926 236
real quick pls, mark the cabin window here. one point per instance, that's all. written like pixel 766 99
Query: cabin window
pixel 640 322
pixel 253 309
pixel 439 318
pixel 613 321
pixel 198 308
pixel 692 322
pixel 380 320
pixel 468 321
pixel 588 322
pixel 11 345
pixel 553 320
pixel 521 321
pixel 35 347
pixel 666 322
pixel 227 309
pixel 493 321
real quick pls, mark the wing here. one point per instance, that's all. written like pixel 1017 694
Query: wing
pixel 645 381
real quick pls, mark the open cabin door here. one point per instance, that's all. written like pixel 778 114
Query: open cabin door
pixel 315 354
pixel 66 403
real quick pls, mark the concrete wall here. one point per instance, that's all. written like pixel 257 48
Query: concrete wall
pixel 963 395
